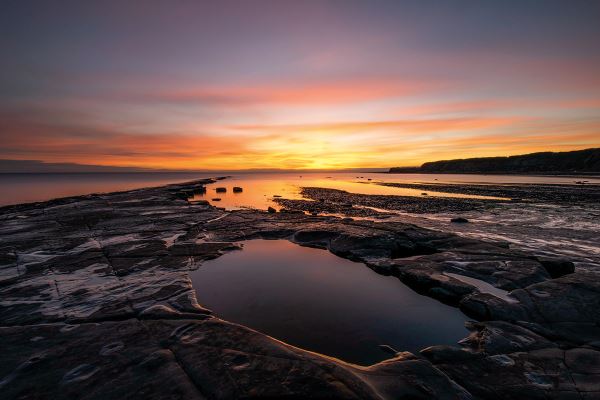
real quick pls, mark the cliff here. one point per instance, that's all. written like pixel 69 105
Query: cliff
pixel 580 161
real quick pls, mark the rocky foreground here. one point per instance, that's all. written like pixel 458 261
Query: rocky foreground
pixel 96 303
pixel 559 194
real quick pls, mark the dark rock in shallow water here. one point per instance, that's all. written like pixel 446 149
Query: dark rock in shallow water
pixel 237 189
pixel 291 211
pixel 199 202
pixel 216 199
pixel 271 210
pixel 565 194
pixel 331 201
pixel 459 220
pixel 221 190
pixel 184 195
pixel 557 267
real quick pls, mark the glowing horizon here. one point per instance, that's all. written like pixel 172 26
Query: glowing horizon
pixel 277 84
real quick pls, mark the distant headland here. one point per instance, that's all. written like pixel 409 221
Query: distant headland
pixel 553 163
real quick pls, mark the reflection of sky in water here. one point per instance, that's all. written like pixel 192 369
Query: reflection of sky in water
pixel 315 300
pixel 259 189
pixel 29 187
pixel 25 188
pixel 566 231
pixel 542 228
pixel 570 231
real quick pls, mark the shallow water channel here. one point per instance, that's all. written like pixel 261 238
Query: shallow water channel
pixel 259 190
pixel 315 300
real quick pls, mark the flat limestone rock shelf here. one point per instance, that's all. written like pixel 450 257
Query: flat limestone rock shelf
pixel 315 300
pixel 96 302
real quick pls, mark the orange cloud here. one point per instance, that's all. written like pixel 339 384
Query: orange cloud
pixel 334 145
pixel 410 125
pixel 93 145
pixel 487 106
pixel 313 93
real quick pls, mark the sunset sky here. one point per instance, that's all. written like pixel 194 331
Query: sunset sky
pixel 295 84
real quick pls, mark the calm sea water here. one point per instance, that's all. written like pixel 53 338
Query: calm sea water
pixel 315 300
pixel 23 188
pixel 543 229
pixel 26 188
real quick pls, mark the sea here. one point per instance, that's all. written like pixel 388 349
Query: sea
pixel 545 229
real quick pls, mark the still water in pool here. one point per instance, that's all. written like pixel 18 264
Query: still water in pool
pixel 315 300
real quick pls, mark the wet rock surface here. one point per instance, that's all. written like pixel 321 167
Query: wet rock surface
pixel 96 302
pixel 546 228
pixel 330 201
pixel 547 193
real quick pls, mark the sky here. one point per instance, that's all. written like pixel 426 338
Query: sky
pixel 295 84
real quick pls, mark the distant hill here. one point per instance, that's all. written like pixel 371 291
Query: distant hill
pixel 580 161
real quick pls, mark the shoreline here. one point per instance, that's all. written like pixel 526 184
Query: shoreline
pixel 547 174
pixel 114 275
pixel 89 189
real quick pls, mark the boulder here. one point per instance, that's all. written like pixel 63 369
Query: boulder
pixel 557 267
pixel 199 202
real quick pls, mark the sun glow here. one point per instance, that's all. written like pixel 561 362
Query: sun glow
pixel 286 94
